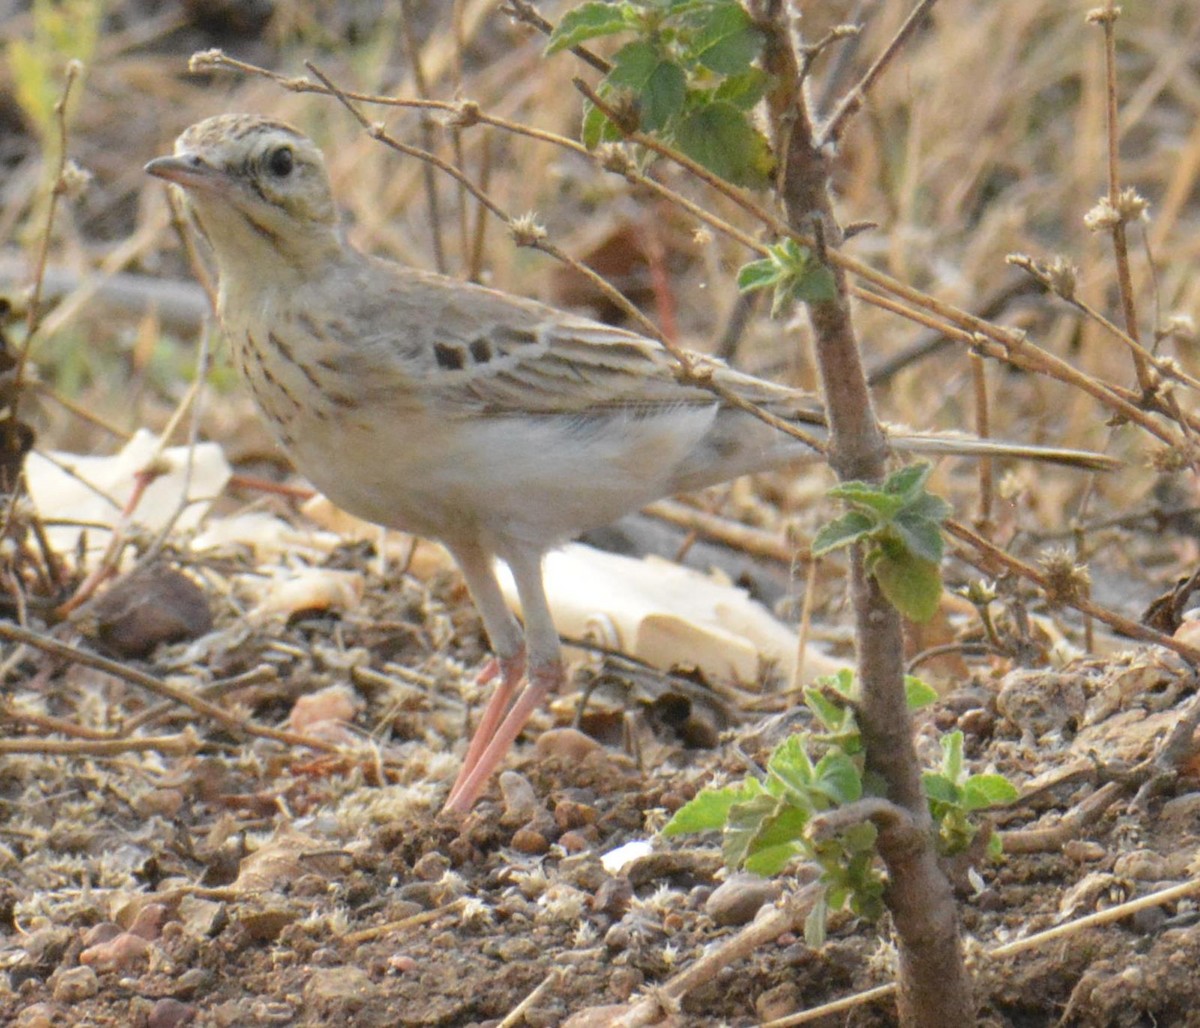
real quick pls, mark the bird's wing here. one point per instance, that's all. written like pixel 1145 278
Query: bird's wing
pixel 479 351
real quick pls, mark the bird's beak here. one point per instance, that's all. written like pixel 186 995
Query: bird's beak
pixel 184 171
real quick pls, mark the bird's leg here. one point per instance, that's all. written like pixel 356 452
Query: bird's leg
pixel 507 643
pixel 544 679
pixel 510 670
pixel 544 676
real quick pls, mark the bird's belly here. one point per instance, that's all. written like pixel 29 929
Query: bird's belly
pixel 504 481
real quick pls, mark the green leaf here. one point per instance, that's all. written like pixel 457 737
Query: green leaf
pixel 869 498
pixel 744 90
pixel 663 95
pixel 837 777
pixel 745 822
pixel 908 479
pixel 721 138
pixel 778 841
pixel 831 715
pixel 911 584
pixel 816 285
pixel 918 694
pixel 588 21
pixel 761 274
pixel 728 42
pixel 982 791
pixel 952 756
pixel 846 530
pixel 920 536
pixel 772 860
pixel 596 127
pixel 815 922
pixel 940 789
pixel 633 65
pixel 791 765
pixel 710 809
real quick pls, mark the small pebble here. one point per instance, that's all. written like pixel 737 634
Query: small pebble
pixel 520 800
pixel 613 897
pixel 574 842
pixel 432 866
pixel 75 984
pixel 530 842
pixel 736 901
pixel 118 954
pixel 567 743
pixel 568 814
pixel 171 1013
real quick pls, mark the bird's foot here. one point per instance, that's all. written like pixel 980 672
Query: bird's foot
pixel 543 679
pixel 510 670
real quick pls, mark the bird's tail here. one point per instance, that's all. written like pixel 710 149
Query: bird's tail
pixel 950 444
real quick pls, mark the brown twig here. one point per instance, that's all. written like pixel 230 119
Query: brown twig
pixel 994 557
pixel 1107 18
pixel 33 314
pixel 230 722
pixel 833 129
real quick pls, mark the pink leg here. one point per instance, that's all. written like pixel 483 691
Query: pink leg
pixel 511 670
pixel 543 680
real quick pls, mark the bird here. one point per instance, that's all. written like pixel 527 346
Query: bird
pixel 495 424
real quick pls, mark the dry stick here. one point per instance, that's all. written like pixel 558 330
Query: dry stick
pixel 33 318
pixel 1107 19
pixel 456 23
pixel 1064 289
pixel 983 430
pixel 1102 917
pixel 479 231
pixel 255 676
pixel 772 922
pixel 832 131
pixel 184 744
pixel 524 12
pixel 11 712
pixel 230 722
pixel 755 541
pixel 1126 626
pixel 517 1014
pixel 424 917
pixel 1020 353
pixel 413 52
pixel 1069 826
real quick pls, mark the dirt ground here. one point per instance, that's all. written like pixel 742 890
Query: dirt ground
pixel 268 848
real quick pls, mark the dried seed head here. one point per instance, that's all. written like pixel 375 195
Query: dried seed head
pixel 1061 277
pixel 1066 581
pixel 526 231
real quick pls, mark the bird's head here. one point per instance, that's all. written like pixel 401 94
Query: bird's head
pixel 257 187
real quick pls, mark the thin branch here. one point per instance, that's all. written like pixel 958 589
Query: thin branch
pixel 230 722
pixel 832 131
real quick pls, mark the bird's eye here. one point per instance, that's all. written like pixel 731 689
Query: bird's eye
pixel 280 162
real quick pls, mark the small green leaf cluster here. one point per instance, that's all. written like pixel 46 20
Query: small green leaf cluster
pixel 792 272
pixel 899 522
pixel 954 795
pixel 688 74
pixel 765 820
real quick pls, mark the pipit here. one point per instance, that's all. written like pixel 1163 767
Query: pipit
pixel 497 425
